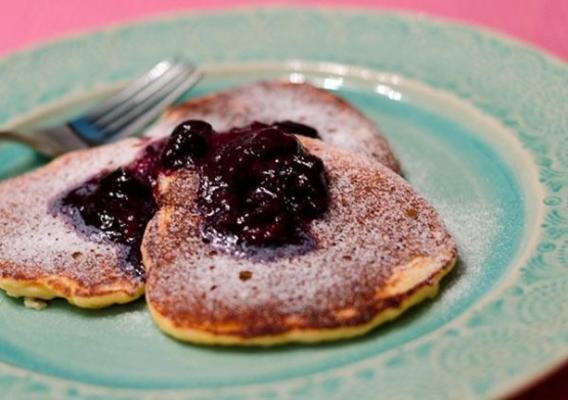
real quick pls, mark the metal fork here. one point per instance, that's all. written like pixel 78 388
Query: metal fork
pixel 123 114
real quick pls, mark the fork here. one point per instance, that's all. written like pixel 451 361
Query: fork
pixel 123 114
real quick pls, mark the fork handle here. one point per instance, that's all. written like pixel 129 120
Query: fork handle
pixel 28 140
pixel 12 136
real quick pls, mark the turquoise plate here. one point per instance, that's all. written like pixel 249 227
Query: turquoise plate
pixel 480 124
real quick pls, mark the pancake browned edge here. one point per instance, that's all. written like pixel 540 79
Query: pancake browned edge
pixel 381 248
pixel 42 255
pixel 337 121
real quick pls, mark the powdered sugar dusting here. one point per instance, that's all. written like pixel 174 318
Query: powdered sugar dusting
pixel 134 323
pixel 474 223
pixel 375 224
pixel 337 122
pixel 36 242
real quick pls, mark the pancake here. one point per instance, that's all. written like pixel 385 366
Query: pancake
pixel 337 121
pixel 42 255
pixel 65 263
pixel 381 248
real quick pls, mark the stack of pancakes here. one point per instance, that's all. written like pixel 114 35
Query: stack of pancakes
pixel 381 246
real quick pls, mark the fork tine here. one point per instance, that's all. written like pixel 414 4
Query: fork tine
pixel 138 106
pixel 145 112
pixel 129 91
pixel 173 73
pixel 139 109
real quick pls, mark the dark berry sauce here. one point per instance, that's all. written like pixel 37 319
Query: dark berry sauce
pixel 297 128
pixel 118 205
pixel 259 188
pixel 188 142
pixel 147 165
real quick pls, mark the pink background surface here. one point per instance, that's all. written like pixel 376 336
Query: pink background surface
pixel 23 22
pixel 543 23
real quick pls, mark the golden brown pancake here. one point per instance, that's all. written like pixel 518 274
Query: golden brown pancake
pixel 380 249
pixel 337 121
pixel 42 255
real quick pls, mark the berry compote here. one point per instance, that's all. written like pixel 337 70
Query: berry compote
pixel 259 187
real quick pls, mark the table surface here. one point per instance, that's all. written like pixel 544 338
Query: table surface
pixel 543 23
